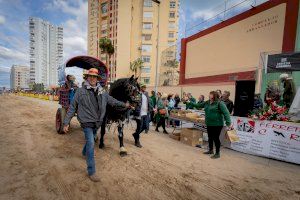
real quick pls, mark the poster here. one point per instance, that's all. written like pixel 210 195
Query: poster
pixel 272 139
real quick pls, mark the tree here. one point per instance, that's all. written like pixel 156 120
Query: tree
pixel 135 65
pixel 171 73
pixel 107 47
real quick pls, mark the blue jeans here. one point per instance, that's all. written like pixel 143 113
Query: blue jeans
pixel 88 149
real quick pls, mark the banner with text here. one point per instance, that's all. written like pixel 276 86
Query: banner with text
pixel 283 62
pixel 273 139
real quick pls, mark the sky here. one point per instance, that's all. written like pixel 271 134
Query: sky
pixel 72 15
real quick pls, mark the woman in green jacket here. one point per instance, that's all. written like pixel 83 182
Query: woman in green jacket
pixel 216 113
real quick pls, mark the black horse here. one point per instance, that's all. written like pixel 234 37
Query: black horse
pixel 125 90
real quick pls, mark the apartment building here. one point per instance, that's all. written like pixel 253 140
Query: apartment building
pixel 136 28
pixel 46 51
pixel 19 77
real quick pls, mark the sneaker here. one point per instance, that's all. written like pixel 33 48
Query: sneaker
pixel 216 156
pixel 208 152
pixel 94 178
pixel 165 132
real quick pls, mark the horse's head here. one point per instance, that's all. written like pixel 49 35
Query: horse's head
pixel 132 88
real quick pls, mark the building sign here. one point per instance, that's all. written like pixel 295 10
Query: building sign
pixel 283 62
pixel 272 139
pixel 262 23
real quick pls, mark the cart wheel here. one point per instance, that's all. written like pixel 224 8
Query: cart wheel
pixel 59 121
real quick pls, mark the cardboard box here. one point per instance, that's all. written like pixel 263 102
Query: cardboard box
pixel 175 137
pixel 191 136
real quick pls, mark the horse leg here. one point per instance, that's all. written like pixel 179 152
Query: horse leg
pixel 123 151
pixel 101 142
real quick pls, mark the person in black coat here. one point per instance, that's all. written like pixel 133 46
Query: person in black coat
pixel 227 101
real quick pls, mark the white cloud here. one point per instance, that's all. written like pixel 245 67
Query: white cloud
pixel 75 28
pixel 13 55
pixel 5 69
pixel 2 20
pixel 204 14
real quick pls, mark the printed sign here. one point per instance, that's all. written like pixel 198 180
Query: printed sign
pixel 273 139
pixel 283 62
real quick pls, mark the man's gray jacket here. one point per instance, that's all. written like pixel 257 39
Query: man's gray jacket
pixel 88 109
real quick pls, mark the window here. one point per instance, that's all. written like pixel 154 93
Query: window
pixel 147 25
pixel 146 37
pixel 145 69
pixel 104 8
pixel 146 47
pixel 103 32
pixel 104 26
pixel 145 80
pixel 148 15
pixel 172 4
pixel 171 43
pixel 172 14
pixel 171 34
pixel 146 59
pixel 172 25
pixel 147 3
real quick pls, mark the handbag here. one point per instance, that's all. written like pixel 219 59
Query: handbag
pixel 232 136
pixel 162 111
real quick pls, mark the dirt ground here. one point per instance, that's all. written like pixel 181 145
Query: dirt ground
pixel 37 163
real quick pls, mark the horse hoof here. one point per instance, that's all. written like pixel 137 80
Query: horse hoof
pixel 101 146
pixel 123 151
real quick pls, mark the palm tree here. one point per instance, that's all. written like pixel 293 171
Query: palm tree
pixel 136 65
pixel 107 47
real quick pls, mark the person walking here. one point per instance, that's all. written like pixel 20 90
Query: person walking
pixel 141 116
pixel 90 103
pixel 153 105
pixel 162 114
pixel 215 114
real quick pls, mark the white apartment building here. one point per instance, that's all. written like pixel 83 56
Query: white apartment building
pixel 46 51
pixel 19 77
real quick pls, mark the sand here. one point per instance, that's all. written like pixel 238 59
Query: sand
pixel 38 163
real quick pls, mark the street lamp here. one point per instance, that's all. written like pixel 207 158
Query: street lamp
pixel 157 52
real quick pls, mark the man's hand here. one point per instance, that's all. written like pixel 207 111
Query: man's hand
pixel 127 105
pixel 66 128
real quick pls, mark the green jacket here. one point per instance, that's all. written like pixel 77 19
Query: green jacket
pixel 153 101
pixel 160 105
pixel 191 102
pixel 215 113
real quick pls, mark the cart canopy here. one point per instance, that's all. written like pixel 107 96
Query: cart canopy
pixel 87 62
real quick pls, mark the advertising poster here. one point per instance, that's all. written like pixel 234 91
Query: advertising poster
pixel 272 139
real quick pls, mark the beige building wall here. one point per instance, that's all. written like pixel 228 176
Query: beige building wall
pixel 19 77
pixel 124 22
pixel 93 18
pixel 236 48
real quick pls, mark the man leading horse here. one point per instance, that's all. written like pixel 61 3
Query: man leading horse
pixel 90 103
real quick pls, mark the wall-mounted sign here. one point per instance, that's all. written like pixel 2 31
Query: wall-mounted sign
pixel 284 62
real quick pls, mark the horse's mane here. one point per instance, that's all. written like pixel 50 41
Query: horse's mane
pixel 118 84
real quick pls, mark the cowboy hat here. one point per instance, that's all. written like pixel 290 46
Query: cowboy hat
pixel 92 72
